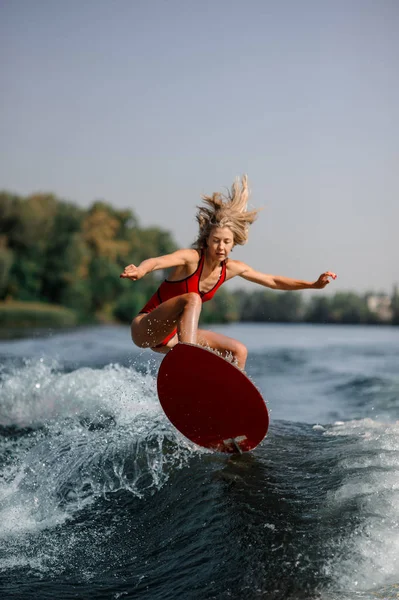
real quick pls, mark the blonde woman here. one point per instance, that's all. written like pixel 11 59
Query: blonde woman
pixel 172 313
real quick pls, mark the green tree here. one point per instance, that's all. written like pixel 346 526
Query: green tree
pixel 269 306
pixel 223 308
pixel 395 306
pixel 27 225
pixel 6 261
pixel 53 251
pixel 105 282
pixel 348 307
pixel 318 310
pixel 129 305
pixel 64 253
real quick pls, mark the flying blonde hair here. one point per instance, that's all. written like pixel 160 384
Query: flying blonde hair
pixel 226 211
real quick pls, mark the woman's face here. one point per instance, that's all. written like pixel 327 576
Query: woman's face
pixel 220 243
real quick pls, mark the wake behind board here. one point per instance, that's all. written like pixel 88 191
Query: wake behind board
pixel 211 401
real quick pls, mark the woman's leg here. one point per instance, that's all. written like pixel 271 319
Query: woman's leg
pixel 148 330
pixel 216 341
pixel 223 344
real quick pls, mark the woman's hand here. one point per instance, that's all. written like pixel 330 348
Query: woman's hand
pixel 132 272
pixel 323 280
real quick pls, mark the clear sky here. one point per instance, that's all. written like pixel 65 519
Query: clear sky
pixel 148 104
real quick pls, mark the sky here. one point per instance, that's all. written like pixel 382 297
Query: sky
pixel 149 104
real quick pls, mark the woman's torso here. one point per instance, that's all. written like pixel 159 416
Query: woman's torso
pixel 197 280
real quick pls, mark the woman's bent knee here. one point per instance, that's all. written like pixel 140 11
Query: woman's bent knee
pixel 240 352
pixel 140 343
pixel 192 299
pixel 137 337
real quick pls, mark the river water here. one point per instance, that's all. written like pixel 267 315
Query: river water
pixel 100 497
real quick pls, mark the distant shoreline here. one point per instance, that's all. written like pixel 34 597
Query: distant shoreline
pixel 30 332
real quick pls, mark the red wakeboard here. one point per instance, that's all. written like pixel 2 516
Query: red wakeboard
pixel 211 401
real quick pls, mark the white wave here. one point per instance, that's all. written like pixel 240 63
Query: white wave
pixel 39 392
pixel 98 432
pixel 367 557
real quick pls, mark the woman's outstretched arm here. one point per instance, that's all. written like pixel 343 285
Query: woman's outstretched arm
pixel 175 259
pixel 278 282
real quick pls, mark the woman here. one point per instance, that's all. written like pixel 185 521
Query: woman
pixel 172 314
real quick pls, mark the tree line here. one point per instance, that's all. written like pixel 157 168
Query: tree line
pixel 54 252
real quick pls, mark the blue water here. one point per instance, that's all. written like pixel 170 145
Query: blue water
pixel 101 498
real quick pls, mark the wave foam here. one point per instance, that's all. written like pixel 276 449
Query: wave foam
pixel 367 556
pixel 97 432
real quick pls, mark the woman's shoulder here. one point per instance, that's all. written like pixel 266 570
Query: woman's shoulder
pixel 191 254
pixel 187 256
pixel 188 253
pixel 235 267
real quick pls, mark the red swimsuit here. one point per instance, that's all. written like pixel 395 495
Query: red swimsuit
pixel 171 289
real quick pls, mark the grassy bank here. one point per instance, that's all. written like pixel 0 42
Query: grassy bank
pixel 35 314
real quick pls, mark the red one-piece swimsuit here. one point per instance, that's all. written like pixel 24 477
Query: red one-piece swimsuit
pixel 171 289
